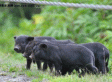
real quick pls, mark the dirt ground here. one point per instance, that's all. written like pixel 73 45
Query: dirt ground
pixel 4 77
pixel 10 78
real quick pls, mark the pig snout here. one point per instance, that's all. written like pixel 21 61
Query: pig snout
pixel 16 48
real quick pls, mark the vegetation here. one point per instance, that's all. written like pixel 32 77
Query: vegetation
pixel 78 24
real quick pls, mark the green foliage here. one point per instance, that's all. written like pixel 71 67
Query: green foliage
pixel 80 25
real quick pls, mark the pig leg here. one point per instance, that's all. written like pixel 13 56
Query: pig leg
pixel 38 64
pixel 45 65
pixel 29 61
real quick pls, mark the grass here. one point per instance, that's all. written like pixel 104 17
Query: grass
pixel 14 65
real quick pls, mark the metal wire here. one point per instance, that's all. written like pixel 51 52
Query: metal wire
pixel 108 7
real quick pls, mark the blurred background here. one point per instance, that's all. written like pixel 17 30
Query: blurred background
pixel 82 25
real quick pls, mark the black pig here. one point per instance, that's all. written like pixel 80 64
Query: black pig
pixel 30 45
pixel 22 41
pixel 101 54
pixel 65 55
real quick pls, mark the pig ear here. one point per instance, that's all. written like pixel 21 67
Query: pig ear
pixel 30 38
pixel 44 46
pixel 15 37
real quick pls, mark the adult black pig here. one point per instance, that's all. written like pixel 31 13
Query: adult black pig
pixel 31 44
pixel 22 41
pixel 101 54
pixel 65 55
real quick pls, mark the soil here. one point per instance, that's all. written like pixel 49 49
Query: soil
pixel 10 78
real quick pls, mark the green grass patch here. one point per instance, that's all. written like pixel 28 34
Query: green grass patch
pixel 31 73
pixel 15 65
pixel 13 69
